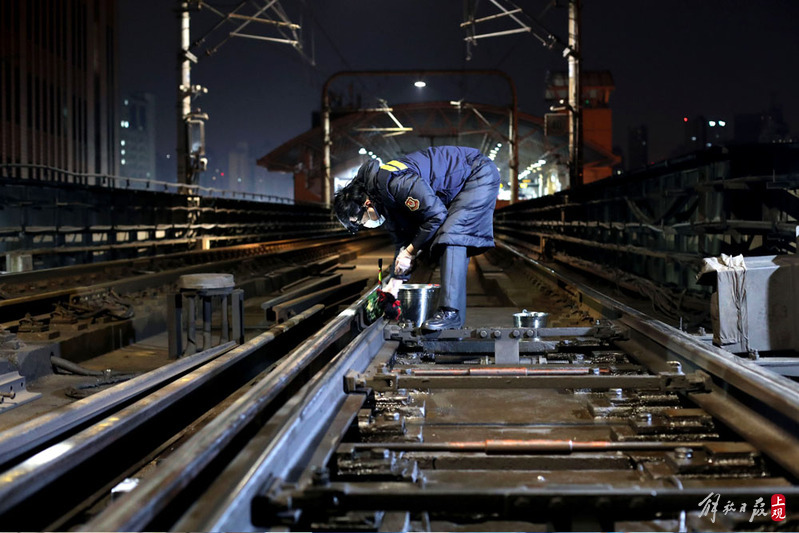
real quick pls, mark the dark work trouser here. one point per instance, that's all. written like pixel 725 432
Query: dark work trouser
pixel 454 264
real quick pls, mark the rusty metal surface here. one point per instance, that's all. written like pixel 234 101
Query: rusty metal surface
pixel 453 437
pixel 598 425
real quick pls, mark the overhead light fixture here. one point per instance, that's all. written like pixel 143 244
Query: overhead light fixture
pixel 420 84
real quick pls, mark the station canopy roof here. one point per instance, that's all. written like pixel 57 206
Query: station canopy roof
pixel 387 132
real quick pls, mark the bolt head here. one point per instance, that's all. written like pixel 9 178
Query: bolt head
pixel 683 452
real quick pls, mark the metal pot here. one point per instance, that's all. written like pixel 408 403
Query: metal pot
pixel 530 319
pixel 418 301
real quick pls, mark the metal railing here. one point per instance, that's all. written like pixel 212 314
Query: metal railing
pixel 44 173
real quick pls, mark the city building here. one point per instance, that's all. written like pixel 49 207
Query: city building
pixel 241 167
pixel 638 147
pixel 597 116
pixel 137 136
pixel 58 86
pixel 702 132
pixel 768 126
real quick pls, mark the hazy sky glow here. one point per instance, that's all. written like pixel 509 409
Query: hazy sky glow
pixel 668 59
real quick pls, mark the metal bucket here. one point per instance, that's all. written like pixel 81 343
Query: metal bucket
pixel 418 301
pixel 530 319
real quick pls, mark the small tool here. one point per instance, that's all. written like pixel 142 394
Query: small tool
pixel 385 300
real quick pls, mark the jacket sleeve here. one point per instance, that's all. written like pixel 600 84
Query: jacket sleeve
pixel 421 205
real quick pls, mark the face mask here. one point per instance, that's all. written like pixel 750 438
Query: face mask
pixel 371 224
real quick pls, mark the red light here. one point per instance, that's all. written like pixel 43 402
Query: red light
pixel 223 173
pixel 685 119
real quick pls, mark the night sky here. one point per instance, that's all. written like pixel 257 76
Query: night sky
pixel 669 59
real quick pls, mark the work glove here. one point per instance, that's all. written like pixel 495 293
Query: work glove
pixel 403 262
pixel 393 286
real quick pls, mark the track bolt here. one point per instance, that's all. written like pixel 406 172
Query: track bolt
pixel 321 475
pixel 683 452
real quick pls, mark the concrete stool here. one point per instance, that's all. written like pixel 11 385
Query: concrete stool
pixel 201 289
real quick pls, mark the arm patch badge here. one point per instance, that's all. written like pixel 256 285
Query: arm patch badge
pixel 412 203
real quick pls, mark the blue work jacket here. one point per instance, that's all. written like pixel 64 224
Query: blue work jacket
pixel 440 196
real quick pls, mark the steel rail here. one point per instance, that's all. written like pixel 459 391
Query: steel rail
pixel 279 452
pixel 776 391
pixel 21 439
pixel 193 256
pixel 156 493
pixel 25 479
pixel 522 502
pixel 14 308
pixel 227 507
pixel 770 389
pixel 525 446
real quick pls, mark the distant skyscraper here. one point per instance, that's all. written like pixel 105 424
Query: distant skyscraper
pixel 638 149
pixel 241 168
pixel 137 136
pixel 766 127
pixel 58 85
pixel 695 133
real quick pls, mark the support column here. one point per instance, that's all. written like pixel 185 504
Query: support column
pixel 185 174
pixel 327 193
pixel 575 96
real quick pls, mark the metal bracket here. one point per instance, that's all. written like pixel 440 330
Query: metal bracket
pixel 609 331
pixel 380 381
pixel 13 392
pixel 354 382
pixel 506 347
pixel 677 381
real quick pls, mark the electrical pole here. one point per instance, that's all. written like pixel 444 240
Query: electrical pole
pixel 184 95
pixel 327 185
pixel 575 97
pixel 191 124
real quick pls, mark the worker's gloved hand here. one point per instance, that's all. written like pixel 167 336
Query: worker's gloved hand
pixel 392 287
pixel 403 262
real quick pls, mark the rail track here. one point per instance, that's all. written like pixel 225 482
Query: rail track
pixel 621 423
pixel 37 292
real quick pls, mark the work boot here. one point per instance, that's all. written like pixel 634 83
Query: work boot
pixel 444 318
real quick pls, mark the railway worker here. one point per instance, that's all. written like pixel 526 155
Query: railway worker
pixel 438 201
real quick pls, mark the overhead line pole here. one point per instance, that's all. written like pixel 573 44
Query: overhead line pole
pixel 575 97
pixel 572 50
pixel 191 157
pixel 185 174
